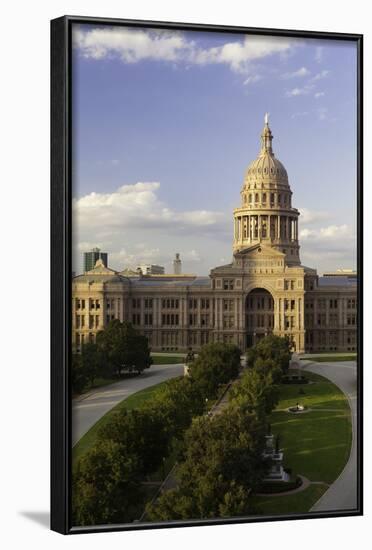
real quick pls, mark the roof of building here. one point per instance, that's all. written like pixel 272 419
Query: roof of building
pixel 100 274
pixel 338 281
pixel 171 282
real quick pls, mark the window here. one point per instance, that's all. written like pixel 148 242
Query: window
pixel 193 303
pixel 170 303
pixel 333 304
pixel 136 318
pixel 169 319
pixel 256 198
pixel 204 319
pixel 136 303
pixel 204 303
pixel 351 319
pixel 321 319
pixel 264 197
pixel 192 319
pixel 228 284
pixel 228 321
pixel 148 303
pixel 148 319
pixel 272 198
pixel 351 303
pixel 333 319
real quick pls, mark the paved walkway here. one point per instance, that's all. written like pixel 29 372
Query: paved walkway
pixel 87 410
pixel 342 495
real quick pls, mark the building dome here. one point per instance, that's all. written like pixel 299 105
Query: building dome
pixel 265 168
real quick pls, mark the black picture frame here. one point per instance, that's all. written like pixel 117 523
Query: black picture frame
pixel 61 267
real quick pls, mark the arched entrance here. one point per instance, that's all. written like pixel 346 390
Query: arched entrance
pixel 259 315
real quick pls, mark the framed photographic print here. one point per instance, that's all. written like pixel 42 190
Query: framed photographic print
pixel 206 274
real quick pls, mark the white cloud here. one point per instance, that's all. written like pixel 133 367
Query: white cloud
pixel 136 205
pixel 311 216
pixel 330 232
pixel 303 71
pixel 252 79
pixel 332 246
pixel 320 76
pixel 133 45
pixel 317 95
pixel 305 90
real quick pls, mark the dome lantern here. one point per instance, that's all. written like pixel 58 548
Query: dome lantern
pixel 266 137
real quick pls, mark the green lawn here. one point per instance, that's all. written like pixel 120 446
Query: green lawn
pixel 132 402
pixel 316 443
pixel 298 503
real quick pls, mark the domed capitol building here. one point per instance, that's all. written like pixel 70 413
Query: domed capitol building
pixel 264 290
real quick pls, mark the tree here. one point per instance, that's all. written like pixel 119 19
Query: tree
pixel 221 462
pixel 271 348
pixel 216 364
pixel 122 347
pixel 179 400
pixel 142 433
pixel 79 378
pixel 256 392
pixel 268 367
pixel 105 488
pixel 92 362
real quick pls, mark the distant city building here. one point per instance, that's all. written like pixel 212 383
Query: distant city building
pixel 90 258
pixel 151 269
pixel 264 289
pixel 177 265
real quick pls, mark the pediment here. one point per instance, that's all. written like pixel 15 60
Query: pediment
pixel 258 251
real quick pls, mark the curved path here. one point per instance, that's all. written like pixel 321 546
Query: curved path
pixel 342 495
pixel 86 410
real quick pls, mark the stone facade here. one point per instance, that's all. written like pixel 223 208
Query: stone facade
pixel 264 290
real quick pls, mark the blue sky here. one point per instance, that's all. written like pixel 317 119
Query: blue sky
pixel 166 124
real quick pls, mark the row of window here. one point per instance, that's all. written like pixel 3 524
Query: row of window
pixel 255 197
pixel 93 321
pixel 333 303
pixel 92 304
pixel 331 337
pixel 261 302
pixel 259 320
